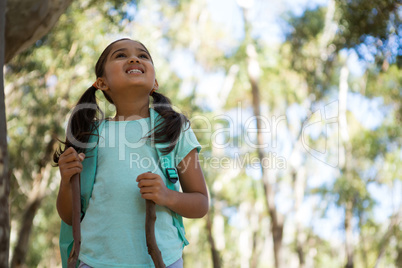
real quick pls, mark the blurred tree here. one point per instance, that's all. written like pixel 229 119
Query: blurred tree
pixel 29 21
pixel 26 22
pixel 4 166
pixel 323 72
pixel 268 178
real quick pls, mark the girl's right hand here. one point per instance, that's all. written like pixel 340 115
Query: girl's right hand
pixel 70 164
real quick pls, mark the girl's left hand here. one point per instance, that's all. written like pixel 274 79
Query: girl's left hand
pixel 153 188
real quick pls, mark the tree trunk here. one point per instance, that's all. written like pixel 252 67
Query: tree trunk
pixel 36 195
pixel 345 162
pixel 258 238
pixel 4 174
pixel 216 260
pixel 349 235
pixel 31 208
pixel 276 218
pixel 362 241
pixel 255 253
pixel 299 179
pixel 24 233
pixel 28 21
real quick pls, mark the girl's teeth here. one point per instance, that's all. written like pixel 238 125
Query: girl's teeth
pixel 134 71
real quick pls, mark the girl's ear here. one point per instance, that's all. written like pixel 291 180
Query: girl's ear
pixel 101 84
pixel 156 85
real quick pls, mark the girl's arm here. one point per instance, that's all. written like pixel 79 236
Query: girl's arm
pixel 69 165
pixel 193 202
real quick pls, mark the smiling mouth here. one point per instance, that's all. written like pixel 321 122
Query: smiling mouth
pixel 134 71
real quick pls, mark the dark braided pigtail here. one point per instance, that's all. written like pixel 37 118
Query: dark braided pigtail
pixel 82 124
pixel 168 131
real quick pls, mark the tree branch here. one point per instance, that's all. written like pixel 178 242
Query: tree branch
pixel 75 184
pixel 153 249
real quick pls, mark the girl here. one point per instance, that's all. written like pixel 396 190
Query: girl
pixel 114 157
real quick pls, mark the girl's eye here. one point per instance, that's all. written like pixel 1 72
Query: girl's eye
pixel 145 56
pixel 120 55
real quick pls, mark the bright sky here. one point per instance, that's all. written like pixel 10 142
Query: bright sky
pixel 265 15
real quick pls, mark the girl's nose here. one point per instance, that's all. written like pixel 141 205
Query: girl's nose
pixel 134 59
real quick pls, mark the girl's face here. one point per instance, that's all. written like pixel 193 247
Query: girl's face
pixel 128 71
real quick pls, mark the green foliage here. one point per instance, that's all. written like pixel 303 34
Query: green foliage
pixel 371 28
pixel 359 19
pixel 308 54
pixel 307 27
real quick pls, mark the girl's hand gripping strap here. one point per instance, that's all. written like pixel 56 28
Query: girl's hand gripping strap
pixel 76 217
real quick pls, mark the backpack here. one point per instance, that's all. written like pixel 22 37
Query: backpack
pixel 88 179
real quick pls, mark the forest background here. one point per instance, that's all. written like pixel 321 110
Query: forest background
pixel 297 105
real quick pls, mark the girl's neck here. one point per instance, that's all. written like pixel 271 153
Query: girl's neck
pixel 127 111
